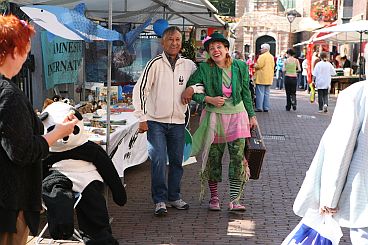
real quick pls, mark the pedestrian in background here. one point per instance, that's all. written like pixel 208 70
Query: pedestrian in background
pixel 157 103
pixel 301 83
pixel 279 72
pixel 315 59
pixel 322 73
pixel 264 67
pixel 305 74
pixel 225 121
pixel 291 67
pixel 23 144
pixel 250 62
pixel 345 62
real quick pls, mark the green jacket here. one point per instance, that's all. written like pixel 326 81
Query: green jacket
pixel 211 79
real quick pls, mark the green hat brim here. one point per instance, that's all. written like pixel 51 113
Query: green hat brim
pixel 214 39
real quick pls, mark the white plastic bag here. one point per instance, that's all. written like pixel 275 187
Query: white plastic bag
pixel 313 229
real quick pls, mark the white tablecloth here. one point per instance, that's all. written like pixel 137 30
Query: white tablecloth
pixel 130 146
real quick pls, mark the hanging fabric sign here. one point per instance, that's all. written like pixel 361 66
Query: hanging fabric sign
pixel 62 60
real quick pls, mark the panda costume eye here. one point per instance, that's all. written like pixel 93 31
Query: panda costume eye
pixel 76 129
pixel 49 129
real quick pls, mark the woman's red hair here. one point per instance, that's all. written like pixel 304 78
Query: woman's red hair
pixel 228 61
pixel 14 33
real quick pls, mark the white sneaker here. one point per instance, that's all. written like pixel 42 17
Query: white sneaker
pixel 160 209
pixel 324 108
pixel 179 204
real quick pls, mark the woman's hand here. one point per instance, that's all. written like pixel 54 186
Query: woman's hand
pixel 253 122
pixel 327 210
pixel 216 101
pixel 61 130
pixel 66 127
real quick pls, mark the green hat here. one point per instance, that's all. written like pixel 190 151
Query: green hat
pixel 215 37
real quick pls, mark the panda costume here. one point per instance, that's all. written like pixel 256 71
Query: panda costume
pixel 76 165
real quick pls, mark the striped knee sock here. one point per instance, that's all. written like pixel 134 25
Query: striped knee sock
pixel 236 188
pixel 213 189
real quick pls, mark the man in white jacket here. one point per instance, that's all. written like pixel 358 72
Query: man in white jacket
pixel 158 105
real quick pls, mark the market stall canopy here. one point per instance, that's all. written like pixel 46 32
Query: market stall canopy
pixel 355 31
pixel 354 26
pixel 308 24
pixel 322 34
pixel 360 27
pixel 188 12
pixel 323 37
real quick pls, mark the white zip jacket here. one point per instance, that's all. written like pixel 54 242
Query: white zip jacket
pixel 157 93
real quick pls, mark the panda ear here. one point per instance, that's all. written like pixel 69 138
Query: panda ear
pixel 77 114
pixel 43 116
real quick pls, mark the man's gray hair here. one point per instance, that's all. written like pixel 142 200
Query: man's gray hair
pixel 170 30
pixel 265 46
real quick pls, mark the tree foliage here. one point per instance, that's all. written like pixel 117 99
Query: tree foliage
pixel 225 7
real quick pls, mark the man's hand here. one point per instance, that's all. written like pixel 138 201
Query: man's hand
pixel 143 127
pixel 186 96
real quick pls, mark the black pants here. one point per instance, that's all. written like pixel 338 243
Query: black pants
pixel 322 98
pixel 290 89
pixel 93 217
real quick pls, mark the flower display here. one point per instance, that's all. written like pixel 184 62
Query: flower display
pixel 229 19
pixel 323 11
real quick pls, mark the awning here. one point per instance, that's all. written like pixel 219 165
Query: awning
pixel 320 36
pixel 336 37
pixel 200 13
pixel 340 33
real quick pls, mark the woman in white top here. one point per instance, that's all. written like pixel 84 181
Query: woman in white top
pixel 305 73
pixel 322 73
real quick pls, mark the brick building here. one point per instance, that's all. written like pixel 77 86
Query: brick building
pixel 264 21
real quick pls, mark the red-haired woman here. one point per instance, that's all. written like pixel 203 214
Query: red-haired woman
pixel 225 121
pixel 22 145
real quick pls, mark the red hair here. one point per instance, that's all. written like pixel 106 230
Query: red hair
pixel 14 33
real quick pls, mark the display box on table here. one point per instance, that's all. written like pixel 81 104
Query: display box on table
pixel 102 94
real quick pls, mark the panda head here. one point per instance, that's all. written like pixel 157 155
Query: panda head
pixel 56 113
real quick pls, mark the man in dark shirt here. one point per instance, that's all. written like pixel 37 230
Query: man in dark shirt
pixel 345 62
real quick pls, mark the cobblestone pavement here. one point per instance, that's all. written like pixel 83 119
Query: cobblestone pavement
pixel 291 139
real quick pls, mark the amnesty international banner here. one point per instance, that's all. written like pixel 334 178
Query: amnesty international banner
pixel 62 59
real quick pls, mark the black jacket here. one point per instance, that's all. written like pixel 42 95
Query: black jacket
pixel 21 150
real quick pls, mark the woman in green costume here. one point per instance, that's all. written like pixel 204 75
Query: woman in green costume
pixel 226 120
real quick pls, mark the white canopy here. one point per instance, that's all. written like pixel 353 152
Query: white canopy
pixel 359 27
pixel 342 33
pixel 200 13
pixel 336 37
pixel 354 26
